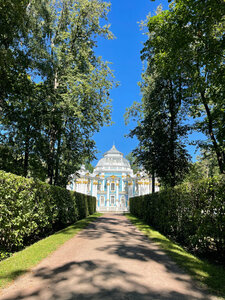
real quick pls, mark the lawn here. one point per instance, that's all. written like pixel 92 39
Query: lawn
pixel 21 262
pixel 212 276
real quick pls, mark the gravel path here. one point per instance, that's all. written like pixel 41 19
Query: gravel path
pixel 110 259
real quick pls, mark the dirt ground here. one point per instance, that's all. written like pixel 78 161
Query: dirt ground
pixel 110 259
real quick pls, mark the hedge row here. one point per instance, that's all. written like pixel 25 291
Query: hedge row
pixel 31 209
pixel 193 214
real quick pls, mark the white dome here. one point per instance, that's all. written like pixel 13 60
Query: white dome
pixel 113 160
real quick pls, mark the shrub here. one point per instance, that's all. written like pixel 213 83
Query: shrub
pixel 193 214
pixel 30 209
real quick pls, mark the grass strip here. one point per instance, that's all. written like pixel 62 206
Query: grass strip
pixel 212 276
pixel 22 261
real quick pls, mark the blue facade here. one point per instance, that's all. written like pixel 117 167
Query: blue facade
pixel 111 191
pixel 112 182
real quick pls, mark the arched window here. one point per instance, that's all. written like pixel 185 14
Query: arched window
pixel 112 200
pixel 102 201
pixel 112 186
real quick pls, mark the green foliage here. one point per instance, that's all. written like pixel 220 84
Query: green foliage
pixel 91 205
pixel 160 130
pixel 187 41
pixel 206 166
pixel 13 59
pixel 133 162
pixel 50 125
pixel 9 161
pixel 89 167
pixel 183 78
pixel 31 209
pixel 192 213
pixel 209 274
pixel 161 150
pixel 22 261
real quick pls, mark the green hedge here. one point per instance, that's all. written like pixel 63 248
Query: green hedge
pixel 31 209
pixel 193 214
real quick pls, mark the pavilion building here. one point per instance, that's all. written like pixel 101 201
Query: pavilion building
pixel 112 182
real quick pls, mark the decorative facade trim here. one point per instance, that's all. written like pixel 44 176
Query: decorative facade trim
pixel 112 182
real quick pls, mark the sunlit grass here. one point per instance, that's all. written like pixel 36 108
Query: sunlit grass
pixel 23 261
pixel 212 276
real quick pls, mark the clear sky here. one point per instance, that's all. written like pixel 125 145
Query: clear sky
pixel 124 53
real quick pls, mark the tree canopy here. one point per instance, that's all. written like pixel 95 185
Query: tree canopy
pixel 183 79
pixel 63 86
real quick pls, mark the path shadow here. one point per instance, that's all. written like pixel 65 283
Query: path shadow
pixel 101 279
pixel 130 243
pixel 90 280
pixel 106 225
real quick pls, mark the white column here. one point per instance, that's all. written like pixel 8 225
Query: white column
pixel 84 187
pixel 117 193
pixel 94 189
pixel 130 188
pixel 117 190
pixel 107 194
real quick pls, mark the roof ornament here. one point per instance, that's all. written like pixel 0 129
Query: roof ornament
pixel 113 160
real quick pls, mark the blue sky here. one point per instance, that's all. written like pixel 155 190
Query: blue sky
pixel 124 53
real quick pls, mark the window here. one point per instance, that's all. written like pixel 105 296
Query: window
pixel 126 186
pixel 122 202
pixel 112 200
pixel 112 186
pixel 99 186
pixel 102 201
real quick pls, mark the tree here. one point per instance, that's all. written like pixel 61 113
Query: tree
pixel 160 132
pixel 59 116
pixel 184 77
pixel 9 162
pixel 16 88
pixel 133 162
pixel 13 59
pixel 206 166
pixel 89 167
pixel 188 39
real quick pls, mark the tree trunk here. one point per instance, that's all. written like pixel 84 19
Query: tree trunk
pixel 153 182
pixel 53 130
pixel 51 157
pixel 219 154
pixel 50 171
pixel 57 161
pixel 27 152
pixel 172 137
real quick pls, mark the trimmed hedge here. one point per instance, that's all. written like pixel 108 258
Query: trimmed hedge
pixel 31 209
pixel 192 214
